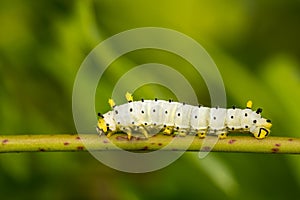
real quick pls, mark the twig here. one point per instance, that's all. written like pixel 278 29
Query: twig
pixel 54 143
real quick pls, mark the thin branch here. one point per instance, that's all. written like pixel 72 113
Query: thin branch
pixel 51 143
pixel 54 143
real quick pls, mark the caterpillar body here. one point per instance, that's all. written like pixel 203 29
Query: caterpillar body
pixel 148 117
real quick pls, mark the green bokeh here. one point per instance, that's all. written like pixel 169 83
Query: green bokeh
pixel 255 45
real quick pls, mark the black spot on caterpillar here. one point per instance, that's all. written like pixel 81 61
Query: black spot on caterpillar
pixel 153 116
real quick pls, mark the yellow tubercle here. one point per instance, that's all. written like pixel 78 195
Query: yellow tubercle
pixel 111 102
pixel 102 125
pixel 201 134
pixel 249 104
pixel 168 130
pixel 222 136
pixel 129 97
pixel 129 136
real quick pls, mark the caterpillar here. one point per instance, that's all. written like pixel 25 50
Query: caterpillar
pixel 148 117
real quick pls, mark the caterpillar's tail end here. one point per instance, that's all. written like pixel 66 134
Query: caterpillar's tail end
pixel 261 133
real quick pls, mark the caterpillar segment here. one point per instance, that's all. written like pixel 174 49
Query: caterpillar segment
pixel 149 117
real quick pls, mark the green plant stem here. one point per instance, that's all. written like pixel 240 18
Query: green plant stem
pixel 52 143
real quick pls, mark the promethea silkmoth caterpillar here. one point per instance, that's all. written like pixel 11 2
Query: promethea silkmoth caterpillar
pixel 148 117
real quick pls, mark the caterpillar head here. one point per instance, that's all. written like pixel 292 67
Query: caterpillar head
pixel 262 127
pixel 105 123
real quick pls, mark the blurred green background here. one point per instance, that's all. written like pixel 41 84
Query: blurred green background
pixel 255 45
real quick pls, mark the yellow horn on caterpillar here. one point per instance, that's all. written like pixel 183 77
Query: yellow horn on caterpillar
pixel 249 104
pixel 111 102
pixel 129 97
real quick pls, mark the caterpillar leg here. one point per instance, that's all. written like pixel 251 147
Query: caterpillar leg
pixel 129 135
pixel 143 130
pixel 222 135
pixel 135 131
pixel 103 131
pixel 155 129
pixel 182 132
pixel 99 131
pixel 109 134
pixel 128 131
pixel 168 130
pixel 201 134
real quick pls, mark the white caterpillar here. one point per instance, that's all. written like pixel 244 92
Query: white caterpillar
pixel 151 116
